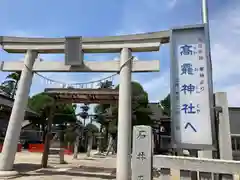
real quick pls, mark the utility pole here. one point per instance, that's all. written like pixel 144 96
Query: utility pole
pixel 205 12
pixel 205 20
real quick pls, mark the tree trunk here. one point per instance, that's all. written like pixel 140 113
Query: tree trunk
pixel 14 89
pixel 114 148
pixel 48 136
pixel 110 143
pixel 106 136
pixel 82 138
pixel 44 132
pixel 76 145
pixel 89 148
pixel 61 152
pixel 100 140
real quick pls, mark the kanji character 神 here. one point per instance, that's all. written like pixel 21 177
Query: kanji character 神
pixel 188 88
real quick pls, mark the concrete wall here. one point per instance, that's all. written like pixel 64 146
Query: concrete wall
pixel 234 114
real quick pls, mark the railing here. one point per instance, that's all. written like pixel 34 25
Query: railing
pixel 178 167
pixel 175 167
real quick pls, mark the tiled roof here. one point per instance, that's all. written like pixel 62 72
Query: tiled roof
pixel 157 113
pixel 8 102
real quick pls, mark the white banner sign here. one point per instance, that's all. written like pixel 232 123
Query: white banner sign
pixel 194 94
pixel 191 100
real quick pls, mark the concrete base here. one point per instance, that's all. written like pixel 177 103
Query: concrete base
pixel 9 174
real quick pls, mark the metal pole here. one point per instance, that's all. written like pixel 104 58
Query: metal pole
pixel 205 12
pixel 205 20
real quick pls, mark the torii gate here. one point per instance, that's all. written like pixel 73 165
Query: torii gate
pixel 74 49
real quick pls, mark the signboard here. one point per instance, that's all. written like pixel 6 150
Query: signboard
pixel 191 89
pixel 73 51
pixel 142 153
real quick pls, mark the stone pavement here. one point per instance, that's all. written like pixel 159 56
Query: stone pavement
pixel 95 168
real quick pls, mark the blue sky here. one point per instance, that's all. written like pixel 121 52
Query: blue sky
pixel 102 18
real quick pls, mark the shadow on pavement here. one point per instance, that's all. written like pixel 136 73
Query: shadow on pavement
pixel 26 167
pixel 94 169
pixel 78 174
pixel 81 171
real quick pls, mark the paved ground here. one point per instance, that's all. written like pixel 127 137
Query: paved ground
pixel 95 168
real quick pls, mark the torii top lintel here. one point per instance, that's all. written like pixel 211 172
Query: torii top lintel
pixel 110 44
pixel 83 95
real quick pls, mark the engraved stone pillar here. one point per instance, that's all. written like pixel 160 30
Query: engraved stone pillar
pixel 142 153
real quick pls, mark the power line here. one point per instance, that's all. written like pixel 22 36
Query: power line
pixel 72 84
pixel 82 83
pixel 79 83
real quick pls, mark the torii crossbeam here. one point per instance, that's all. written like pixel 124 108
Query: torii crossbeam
pixel 88 66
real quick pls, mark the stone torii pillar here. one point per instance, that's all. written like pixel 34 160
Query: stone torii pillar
pixel 17 115
pixel 124 117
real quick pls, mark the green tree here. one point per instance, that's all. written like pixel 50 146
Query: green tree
pixel 9 86
pixel 166 105
pixel 70 135
pixel 42 103
pixel 140 110
pixel 101 110
pixel 91 129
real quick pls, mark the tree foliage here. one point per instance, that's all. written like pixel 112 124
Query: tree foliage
pixel 140 109
pixel 9 86
pixel 91 129
pixel 70 134
pixel 42 103
pixel 101 109
pixel 166 105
